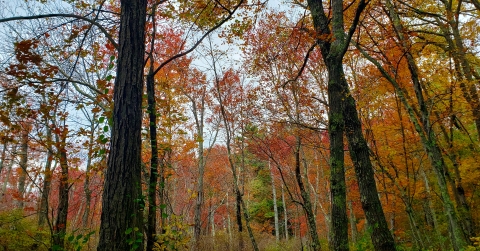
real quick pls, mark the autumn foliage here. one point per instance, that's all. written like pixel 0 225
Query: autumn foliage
pixel 241 154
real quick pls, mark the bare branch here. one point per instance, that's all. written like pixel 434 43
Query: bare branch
pixel 102 29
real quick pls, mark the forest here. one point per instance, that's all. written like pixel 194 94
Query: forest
pixel 239 125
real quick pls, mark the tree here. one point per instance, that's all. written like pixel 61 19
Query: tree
pixel 343 118
pixel 122 219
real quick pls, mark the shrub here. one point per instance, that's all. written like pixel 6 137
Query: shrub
pixel 19 232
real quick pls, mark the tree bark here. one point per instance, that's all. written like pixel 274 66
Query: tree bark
pixel 275 209
pixel 285 215
pixel 339 229
pixel 23 167
pixel 60 226
pixel 9 172
pixel 153 179
pixel 333 51
pixel 4 154
pixel 47 180
pixel 122 201
pixel 198 114
pixel 306 204
pixel 353 222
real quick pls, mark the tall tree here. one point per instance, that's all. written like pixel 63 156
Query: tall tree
pixel 343 118
pixel 122 201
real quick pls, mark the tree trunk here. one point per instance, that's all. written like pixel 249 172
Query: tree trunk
pixel 23 168
pixel 430 207
pixel 240 205
pixel 60 226
pixel 307 204
pixel 359 153
pixel 152 184
pixel 339 229
pixel 4 154
pixel 9 172
pixel 353 222
pixel 199 121
pixel 121 225
pixel 285 215
pixel 86 184
pixel 47 181
pixel 275 209
pixel 428 137
pixel 333 51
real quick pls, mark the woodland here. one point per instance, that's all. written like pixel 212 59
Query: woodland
pixel 239 125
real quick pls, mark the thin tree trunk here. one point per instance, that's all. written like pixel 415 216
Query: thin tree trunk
pixel 353 222
pixel 275 209
pixel 429 141
pixel 9 172
pixel 153 179
pixel 23 168
pixel 47 181
pixel 307 204
pixel 285 214
pixel 199 121
pixel 122 203
pixel 430 207
pixel 86 184
pixel 60 226
pixel 239 200
pixel 4 154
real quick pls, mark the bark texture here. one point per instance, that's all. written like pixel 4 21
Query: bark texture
pixel 122 202
pixel 344 110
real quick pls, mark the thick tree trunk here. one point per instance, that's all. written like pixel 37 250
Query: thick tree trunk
pixel 359 153
pixel 339 223
pixel 332 52
pixel 122 202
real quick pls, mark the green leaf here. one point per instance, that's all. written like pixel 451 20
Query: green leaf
pixel 101 119
pixel 128 231
pixel 104 140
pixel 105 128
